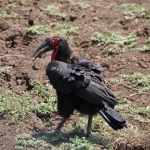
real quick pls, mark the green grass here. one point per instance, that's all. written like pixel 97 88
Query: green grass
pixel 132 11
pixel 78 143
pixel 74 139
pixel 148 22
pixel 15 105
pixel 113 42
pixel 37 29
pixel 83 5
pixel 27 141
pixel 148 40
pixel 49 104
pixel 144 48
pixel 6 69
pixel 75 143
pixel 138 113
pixel 62 15
pixel 114 80
pixel 29 3
pixel 18 106
pixel 48 10
pixel 66 141
pixel 40 15
pixel 114 38
pixel 143 110
pixel 143 81
pixel 9 6
pixel 4 12
pixel 66 28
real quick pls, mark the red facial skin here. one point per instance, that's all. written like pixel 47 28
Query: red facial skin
pixel 54 41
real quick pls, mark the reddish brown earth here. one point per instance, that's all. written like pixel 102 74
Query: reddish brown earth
pixel 16 49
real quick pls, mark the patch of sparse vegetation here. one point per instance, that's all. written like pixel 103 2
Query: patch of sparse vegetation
pixel 27 141
pixel 148 41
pixel 103 142
pixel 98 122
pixel 62 15
pixel 5 69
pixel 9 6
pixel 67 28
pixel 19 106
pixel 125 105
pixel 83 5
pixel 77 129
pixel 114 80
pixel 148 21
pixel 15 105
pixel 128 134
pixel 132 11
pixel 143 81
pixel 145 48
pixel 71 140
pixel 77 143
pixel 4 12
pixel 45 92
pixel 114 38
pixel 37 29
pixel 143 110
pixel 40 15
pixel 114 42
pixel 128 109
pixel 49 105
pixel 48 10
pixel 29 3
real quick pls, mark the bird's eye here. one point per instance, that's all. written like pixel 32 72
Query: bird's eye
pixel 54 41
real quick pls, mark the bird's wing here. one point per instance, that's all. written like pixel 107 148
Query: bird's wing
pixel 73 78
pixel 88 64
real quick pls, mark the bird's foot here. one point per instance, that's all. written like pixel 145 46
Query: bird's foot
pixel 56 132
pixel 88 133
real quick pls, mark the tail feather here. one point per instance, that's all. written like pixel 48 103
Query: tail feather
pixel 112 117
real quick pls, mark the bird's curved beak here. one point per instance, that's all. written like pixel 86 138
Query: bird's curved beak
pixel 46 44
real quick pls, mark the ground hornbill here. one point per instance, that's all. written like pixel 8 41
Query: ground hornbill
pixel 79 85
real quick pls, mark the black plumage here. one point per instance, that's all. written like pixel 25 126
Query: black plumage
pixel 79 85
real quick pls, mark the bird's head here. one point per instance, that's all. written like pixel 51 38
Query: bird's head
pixel 60 47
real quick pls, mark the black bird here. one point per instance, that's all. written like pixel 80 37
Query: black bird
pixel 79 85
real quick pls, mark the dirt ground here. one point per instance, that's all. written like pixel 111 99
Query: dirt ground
pixel 16 49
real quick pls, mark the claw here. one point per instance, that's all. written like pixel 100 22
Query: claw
pixel 88 133
pixel 56 132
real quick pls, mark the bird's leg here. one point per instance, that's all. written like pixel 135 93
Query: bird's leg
pixel 58 129
pixel 89 125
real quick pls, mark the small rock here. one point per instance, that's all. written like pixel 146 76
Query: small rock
pixel 95 19
pixel 31 22
pixel 143 64
pixel 125 27
pixel 72 17
pixel 34 67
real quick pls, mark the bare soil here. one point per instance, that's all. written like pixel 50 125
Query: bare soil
pixel 16 49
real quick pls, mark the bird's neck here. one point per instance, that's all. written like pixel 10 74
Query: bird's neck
pixel 61 54
pixel 54 54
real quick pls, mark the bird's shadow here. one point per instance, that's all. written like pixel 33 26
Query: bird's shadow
pixel 57 140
